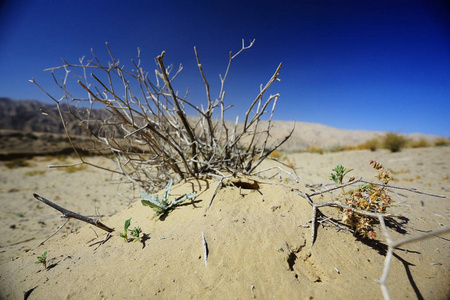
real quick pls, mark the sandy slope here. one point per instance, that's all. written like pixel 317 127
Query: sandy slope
pixel 258 247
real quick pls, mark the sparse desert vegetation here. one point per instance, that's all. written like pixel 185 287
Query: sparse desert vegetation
pixel 257 210
pixel 17 163
pixel 233 205
pixel 439 142
pixel 394 141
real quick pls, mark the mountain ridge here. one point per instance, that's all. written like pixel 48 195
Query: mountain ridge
pixel 26 115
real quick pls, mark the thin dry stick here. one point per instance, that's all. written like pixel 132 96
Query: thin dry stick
pixel 24 241
pixel 205 249
pixel 180 112
pixel 54 232
pixel 70 214
pixel 214 193
pixel 107 237
pixel 279 168
pixel 392 245
pixel 413 190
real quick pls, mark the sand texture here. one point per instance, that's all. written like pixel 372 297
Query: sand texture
pixel 259 241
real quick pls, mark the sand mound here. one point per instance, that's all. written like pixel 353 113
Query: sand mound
pixel 258 246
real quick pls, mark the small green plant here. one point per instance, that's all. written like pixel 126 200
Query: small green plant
pixel 367 197
pixel 163 206
pixel 42 260
pixel 124 234
pixel 135 233
pixel 339 173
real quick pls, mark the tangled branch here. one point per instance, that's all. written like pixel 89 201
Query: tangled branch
pixel 144 127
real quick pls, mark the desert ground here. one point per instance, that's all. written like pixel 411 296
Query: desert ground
pixel 258 240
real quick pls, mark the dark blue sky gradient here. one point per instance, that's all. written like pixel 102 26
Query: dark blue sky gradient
pixel 374 65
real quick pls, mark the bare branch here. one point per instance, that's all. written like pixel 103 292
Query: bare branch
pixel 391 247
pixel 70 214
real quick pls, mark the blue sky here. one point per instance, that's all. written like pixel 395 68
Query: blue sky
pixel 373 65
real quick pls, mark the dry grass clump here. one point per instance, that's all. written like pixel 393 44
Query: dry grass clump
pixel 314 149
pixel 275 154
pixel 372 144
pixel 74 168
pixel 35 173
pixel 394 141
pixel 17 163
pixel 420 143
pixel 439 142
pixel 145 128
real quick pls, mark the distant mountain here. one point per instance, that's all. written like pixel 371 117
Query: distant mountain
pixel 36 116
pixel 26 115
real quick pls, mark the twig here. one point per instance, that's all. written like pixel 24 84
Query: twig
pixel 335 188
pixel 54 232
pixel 413 190
pixel 107 237
pixel 392 245
pixel 65 166
pixel 358 211
pixel 17 243
pixel 205 249
pixel 219 184
pixel 281 169
pixel 70 214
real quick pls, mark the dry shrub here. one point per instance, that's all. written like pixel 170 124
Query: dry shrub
pixel 372 144
pixel 35 173
pixel 314 149
pixel 420 143
pixel 17 163
pixel 145 128
pixel 394 142
pixel 439 142
pixel 366 197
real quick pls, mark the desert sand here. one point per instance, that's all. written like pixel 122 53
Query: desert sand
pixel 259 240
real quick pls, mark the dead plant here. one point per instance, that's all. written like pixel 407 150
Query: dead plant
pixel 144 126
